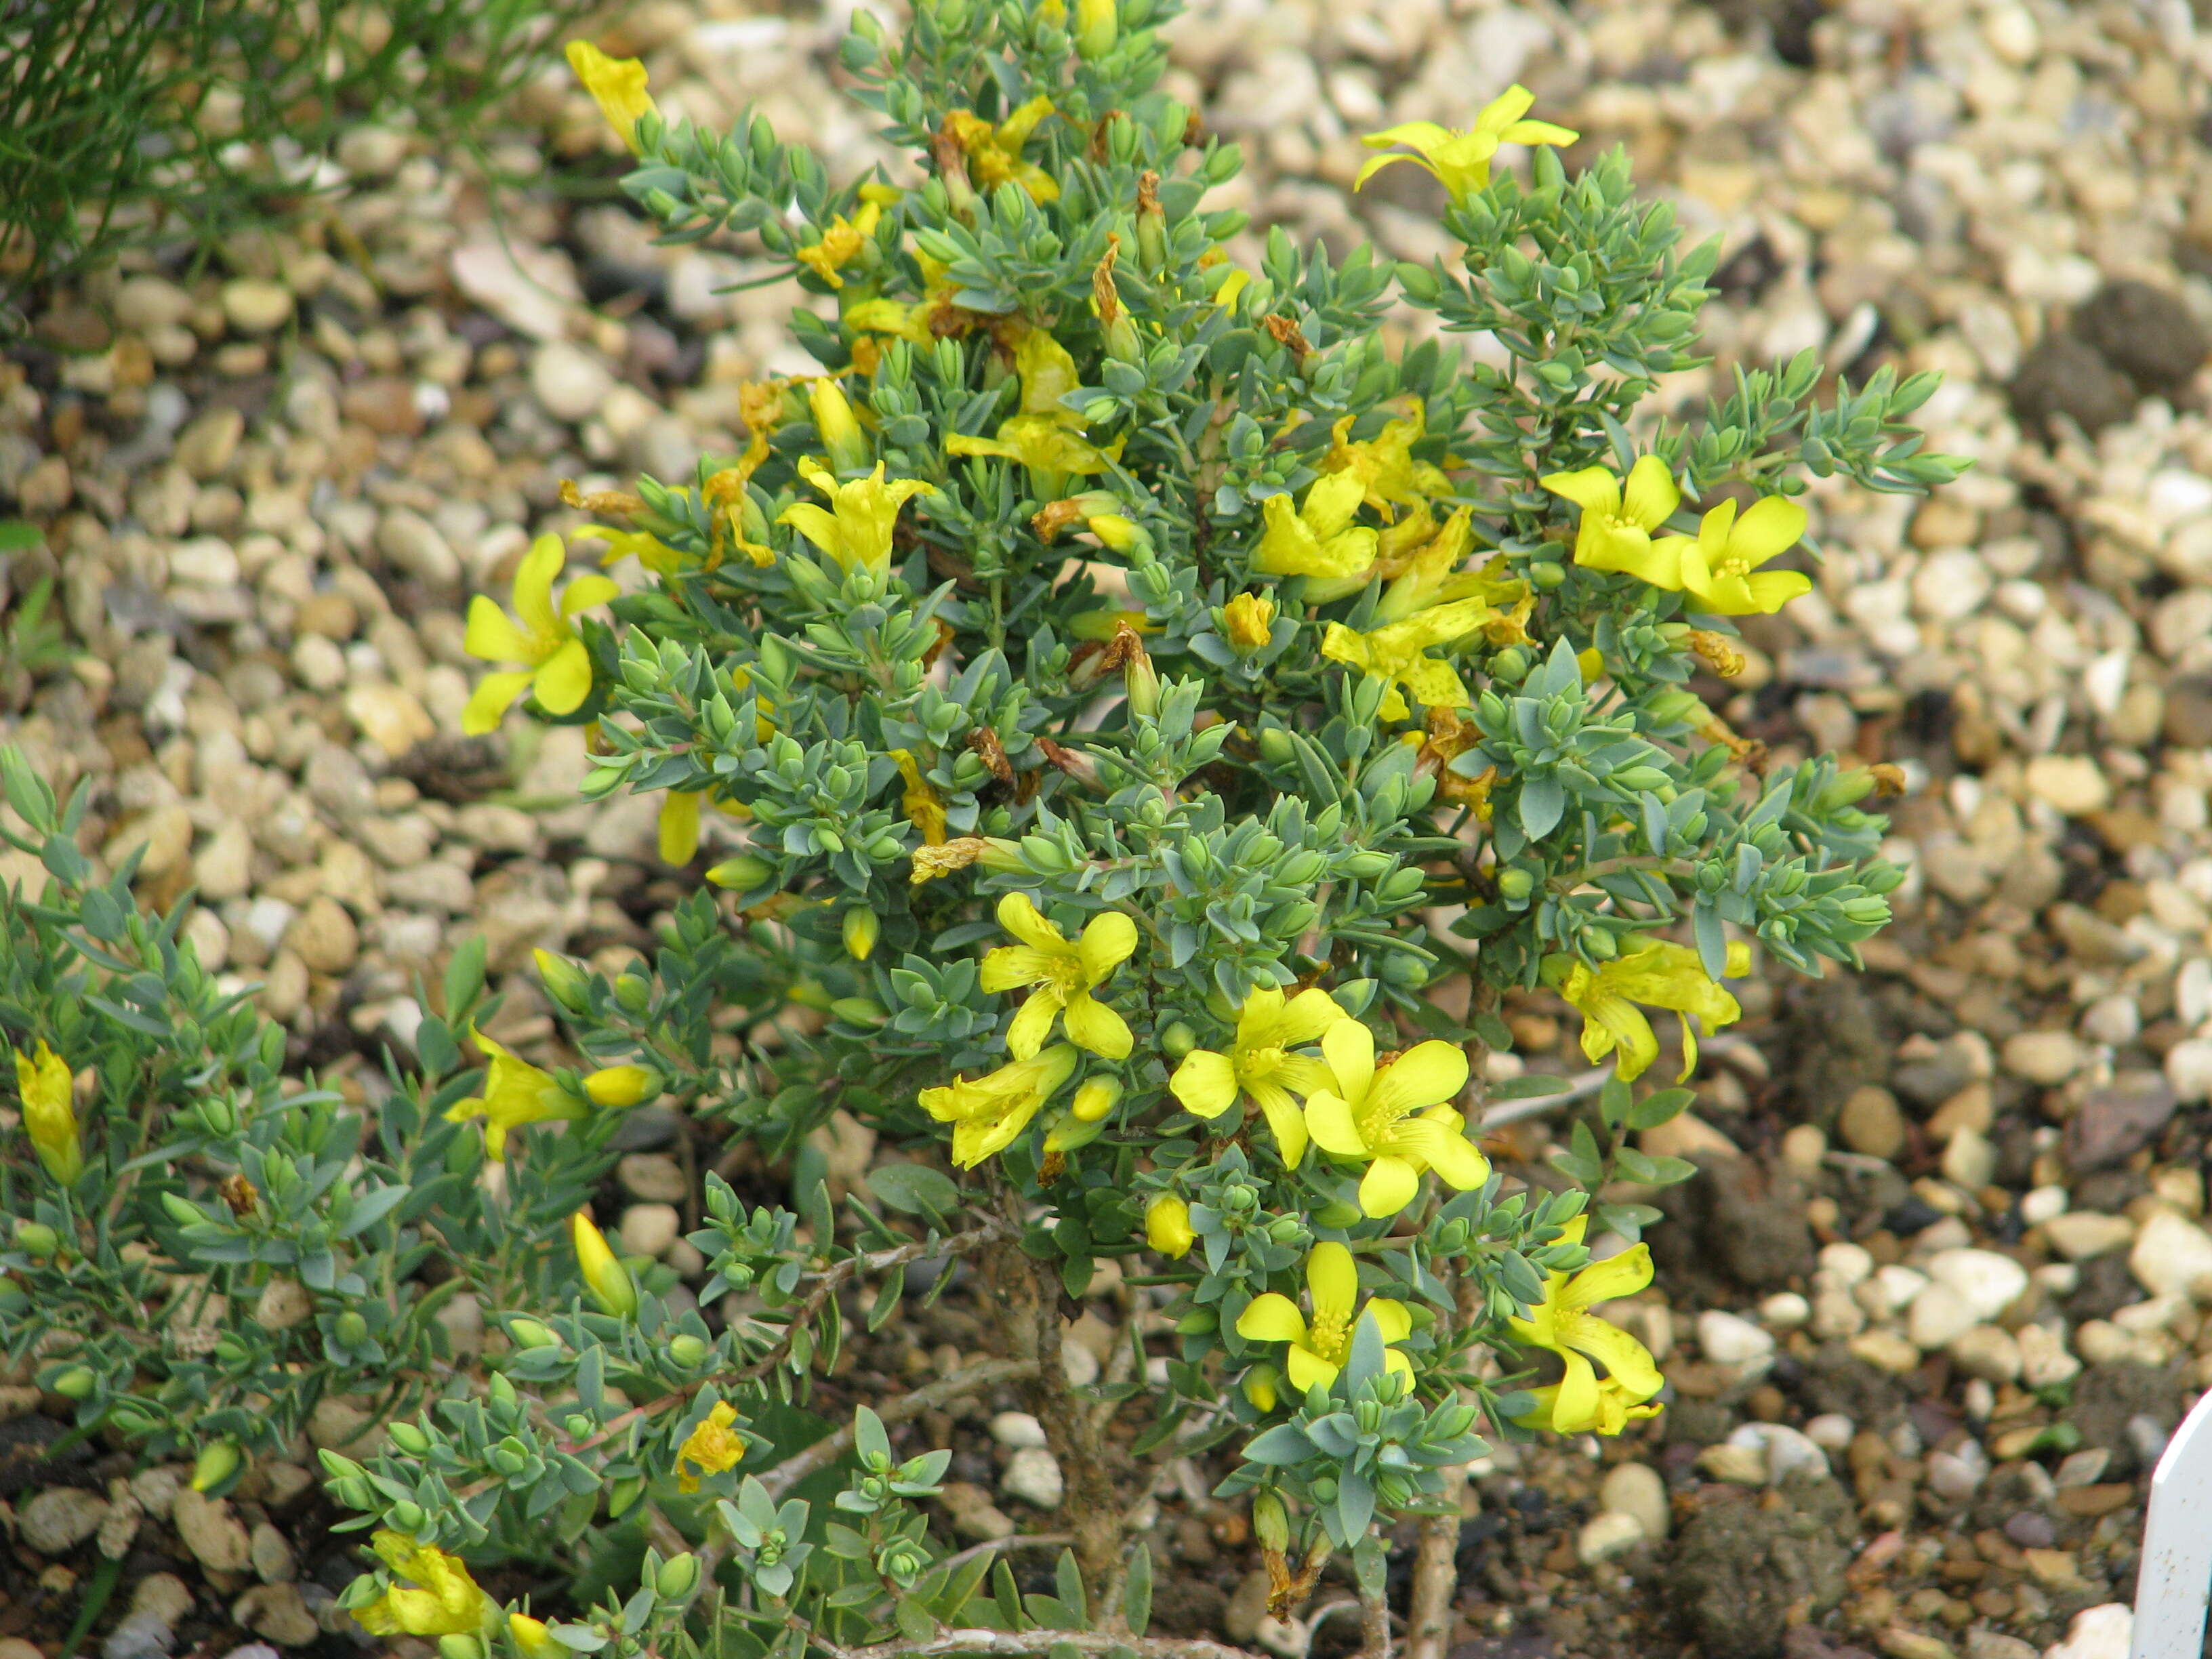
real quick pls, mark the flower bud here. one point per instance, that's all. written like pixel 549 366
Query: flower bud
pixel 1337 1214
pixel 741 873
pixel 623 1494
pixel 1516 883
pixel 688 1350
pixel 1270 1524
pixel 350 1330
pixel 1260 1387
pixel 861 928
pixel 1672 707
pixel 1096 25
pixel 408 1437
pixel 633 993
pixel 459 1647
pixel 76 1383
pixel 529 1333
pixel 1177 1039
pixel 1248 621
pixel 49 1094
pixel 620 1087
pixel 182 1210
pixel 1098 1097
pixel 678 1576
pixel 1275 745
pixel 533 1638
pixel 1167 1225
pixel 1073 1132
pixel 215 1465
pixel 840 429
pixel 406 1515
pixel 35 1238
pixel 565 982
pixel 605 1277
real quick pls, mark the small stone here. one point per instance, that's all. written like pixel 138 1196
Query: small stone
pixel 261 1650
pixel 2119 1119
pixel 1831 1430
pixel 1989 1352
pixel 1785 1311
pixel 60 1518
pixel 2079 1235
pixel 1970 1162
pixel 277 1612
pixel 2031 1531
pixel 1018 1430
pixel 1938 1317
pixel 1872 1123
pixel 1079 1364
pixel 223 869
pixel 1636 1490
pixel 1903 1642
pixel 324 936
pixel 393 718
pixel 2115 1020
pixel 339 1425
pixel 2043 1361
pixel 212 1532
pixel 319 664
pixel 569 382
pixel 1983 1643
pixel 144 303
pixel 1610 1534
pixel 1885 1351
pixel 2042 1204
pixel 1739 1466
pixel 1247 1606
pixel 384 403
pixel 1731 1340
pixel 206 449
pixel 282 1304
pixel 137 1636
pixel 2098 1632
pixel 2069 783
pixel 654 1176
pixel 272 1556
pixel 2189 1070
pixel 1987 1282
pixel 2172 1256
pixel 2146 333
pixel 2082 1468
pixel 2064 375
pixel 1032 1474
pixel 648 1230
pixel 2044 1057
pixel 255 306
pixel 415 545
pixel 1786 1450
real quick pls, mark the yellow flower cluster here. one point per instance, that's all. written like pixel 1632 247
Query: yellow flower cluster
pixel 1658 974
pixel 560 669
pixel 1582 1402
pixel 437 1598
pixel 1718 567
pixel 517 1093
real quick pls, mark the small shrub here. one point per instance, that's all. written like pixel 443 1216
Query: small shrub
pixel 1144 723
pixel 123 122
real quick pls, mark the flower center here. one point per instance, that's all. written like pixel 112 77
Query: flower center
pixel 1732 570
pixel 1065 974
pixel 1328 1338
pixel 1258 1065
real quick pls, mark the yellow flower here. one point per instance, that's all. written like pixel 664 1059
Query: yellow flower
pixel 855 530
pixel 1611 1411
pixel 533 1638
pixel 1657 973
pixel 1460 160
pixel 1046 436
pixel 919 801
pixel 560 670
pixel 841 244
pixel 1399 652
pixel 1428 573
pixel 678 825
pixel 1384 464
pixel 1259 1063
pixel 994 154
pixel 921 322
pixel 439 1599
pixel 710 1449
pixel 1720 564
pixel 1065 974
pixel 604 1276
pixel 838 426
pixel 1258 1387
pixel 1319 538
pixel 1319 1351
pixel 1248 620
pixel 618 85
pixel 1098 1097
pixel 1371 1116
pixel 43 1079
pixel 1167 1225
pixel 515 1093
pixel 988 1112
pixel 618 1088
pixel 1615 533
pixel 1563 1323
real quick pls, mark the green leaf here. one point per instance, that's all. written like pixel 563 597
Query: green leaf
pixel 1614 1100
pixel 1661 1108
pixel 1529 1086
pixel 1137 1596
pixel 915 1188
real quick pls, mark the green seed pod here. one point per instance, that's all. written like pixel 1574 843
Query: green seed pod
pixel 350 1330
pixel 407 1517
pixel 688 1350
pixel 678 1576
pixel 1516 883
pixel 1177 1039
pixel 76 1383
pixel 1270 1524
pixel 529 1333
pixel 408 1438
pixel 35 1238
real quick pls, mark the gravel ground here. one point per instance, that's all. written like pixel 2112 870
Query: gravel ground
pixel 1941 1291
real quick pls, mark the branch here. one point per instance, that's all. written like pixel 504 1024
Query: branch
pixel 851 1268
pixel 827 1450
pixel 1040 1642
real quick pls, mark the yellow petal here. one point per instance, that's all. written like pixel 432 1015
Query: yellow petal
pixel 1307 1368
pixel 1285 1121
pixel 679 826
pixel 1651 496
pixel 1018 915
pixel 1108 941
pixel 585 592
pixel 1593 488
pixel 494 695
pixel 1270 1318
pixel 1774 525
pixel 1333 1282
pixel 1011 966
pixel 1033 1024
pixel 563 680
pixel 1390 1185
pixel 1349 1049
pixel 1425 1075
pixel 494 635
pixel 1306 1016
pixel 1091 1025
pixel 1391 1318
pixel 533 586
pixel 1616 1276
pixel 1205 1082
pixel 1770 590
pixel 1333 1129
